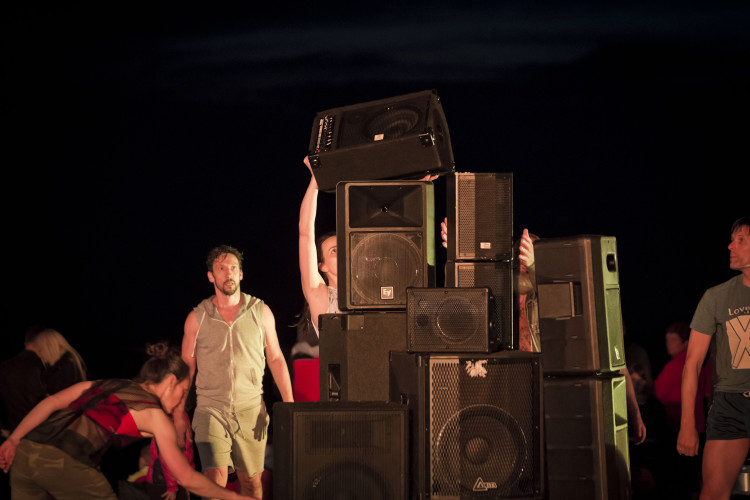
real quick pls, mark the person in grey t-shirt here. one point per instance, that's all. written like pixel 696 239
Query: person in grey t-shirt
pixel 724 314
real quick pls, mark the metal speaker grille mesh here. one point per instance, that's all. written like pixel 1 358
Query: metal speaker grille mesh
pixel 447 319
pixel 383 265
pixel 483 429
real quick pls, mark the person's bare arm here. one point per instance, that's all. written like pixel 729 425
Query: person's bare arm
pixel 314 288
pixel 687 439
pixel 156 423
pixel 275 357
pixel 638 428
pixel 188 343
pixel 36 416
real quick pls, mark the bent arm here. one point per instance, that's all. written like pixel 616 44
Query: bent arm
pixel 687 439
pixel 36 416
pixel 156 423
pixel 275 357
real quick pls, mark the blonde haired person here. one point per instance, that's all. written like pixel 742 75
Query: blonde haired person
pixel 64 366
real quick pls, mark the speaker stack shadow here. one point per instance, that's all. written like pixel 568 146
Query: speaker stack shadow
pixel 582 352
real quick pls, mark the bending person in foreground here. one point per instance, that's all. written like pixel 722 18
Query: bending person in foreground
pixel 57 447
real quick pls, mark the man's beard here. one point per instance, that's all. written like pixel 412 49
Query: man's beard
pixel 232 289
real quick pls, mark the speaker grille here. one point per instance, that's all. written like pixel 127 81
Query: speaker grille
pixel 484 430
pixel 498 277
pixel 383 265
pixel 480 216
pixel 449 319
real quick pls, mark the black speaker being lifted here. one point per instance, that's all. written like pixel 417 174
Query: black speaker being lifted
pixel 340 450
pixel 450 320
pixel 579 304
pixel 403 137
pixel 476 423
pixel 480 216
pixel 385 242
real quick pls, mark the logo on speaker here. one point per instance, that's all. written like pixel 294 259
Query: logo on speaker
pixel 477 369
pixel 386 292
pixel 481 485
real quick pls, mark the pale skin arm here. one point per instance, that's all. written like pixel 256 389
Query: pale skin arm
pixel 314 287
pixel 181 424
pixel 687 439
pixel 638 428
pixel 275 357
pixel 159 425
pixel 36 416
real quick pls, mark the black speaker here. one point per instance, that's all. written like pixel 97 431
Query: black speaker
pixel 354 353
pixel 450 320
pixel 403 137
pixel 476 423
pixel 586 426
pixel 579 304
pixel 340 450
pixel 498 277
pixel 385 242
pixel 480 216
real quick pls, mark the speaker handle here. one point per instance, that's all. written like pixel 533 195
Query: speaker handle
pixel 334 384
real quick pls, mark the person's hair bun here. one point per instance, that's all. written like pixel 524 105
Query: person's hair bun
pixel 157 350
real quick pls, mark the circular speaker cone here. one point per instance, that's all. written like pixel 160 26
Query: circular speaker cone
pixel 457 319
pixel 383 265
pixel 393 123
pixel 480 441
pixel 348 481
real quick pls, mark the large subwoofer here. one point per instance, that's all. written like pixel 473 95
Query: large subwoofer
pixel 354 352
pixel 385 242
pixel 403 137
pixel 480 216
pixel 450 320
pixel 476 423
pixel 325 451
pixel 579 304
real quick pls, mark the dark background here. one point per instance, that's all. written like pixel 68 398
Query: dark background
pixel 136 138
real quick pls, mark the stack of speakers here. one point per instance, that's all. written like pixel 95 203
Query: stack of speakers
pixel 582 352
pixel 423 393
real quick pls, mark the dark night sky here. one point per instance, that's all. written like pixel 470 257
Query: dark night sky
pixel 136 139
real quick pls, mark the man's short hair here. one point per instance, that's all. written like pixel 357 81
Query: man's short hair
pixel 217 252
pixel 741 222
